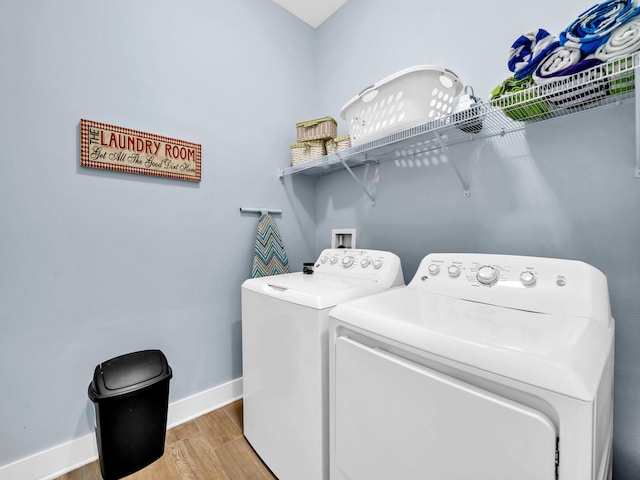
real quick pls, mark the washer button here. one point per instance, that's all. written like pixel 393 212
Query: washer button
pixel 454 271
pixel 528 278
pixel 377 264
pixel 333 260
pixel 364 263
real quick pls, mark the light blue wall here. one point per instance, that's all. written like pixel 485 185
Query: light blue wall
pixel 564 188
pixel 94 264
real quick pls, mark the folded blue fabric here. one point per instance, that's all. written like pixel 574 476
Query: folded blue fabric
pixel 560 63
pixel 593 27
pixel 528 50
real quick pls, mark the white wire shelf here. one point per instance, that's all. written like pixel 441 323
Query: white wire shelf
pixel 611 83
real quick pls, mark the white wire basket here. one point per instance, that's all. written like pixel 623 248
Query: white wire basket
pixel 407 98
pixel 596 85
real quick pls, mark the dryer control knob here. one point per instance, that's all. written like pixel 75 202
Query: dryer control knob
pixel 528 278
pixel 324 259
pixel 377 263
pixel 333 260
pixel 434 268
pixel 487 275
pixel 347 261
pixel 454 271
pixel 364 263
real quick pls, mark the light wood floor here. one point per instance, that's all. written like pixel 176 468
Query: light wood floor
pixel 210 447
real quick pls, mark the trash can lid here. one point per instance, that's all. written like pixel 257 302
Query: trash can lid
pixel 129 372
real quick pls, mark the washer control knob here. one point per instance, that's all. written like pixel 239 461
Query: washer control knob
pixel 454 271
pixel 333 260
pixel 528 278
pixel 364 263
pixel 377 263
pixel 487 275
pixel 324 259
pixel 434 269
pixel 347 261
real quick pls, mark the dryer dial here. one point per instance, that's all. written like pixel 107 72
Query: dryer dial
pixel 347 261
pixel 377 263
pixel 364 263
pixel 487 275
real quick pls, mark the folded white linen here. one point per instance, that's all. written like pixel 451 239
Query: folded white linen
pixel 623 40
pixel 555 63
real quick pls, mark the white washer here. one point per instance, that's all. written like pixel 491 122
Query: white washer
pixel 485 367
pixel 285 348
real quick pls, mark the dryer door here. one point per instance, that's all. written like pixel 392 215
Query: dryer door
pixel 396 419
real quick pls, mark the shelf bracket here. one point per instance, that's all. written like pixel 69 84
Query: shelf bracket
pixel 465 186
pixel 358 181
pixel 637 103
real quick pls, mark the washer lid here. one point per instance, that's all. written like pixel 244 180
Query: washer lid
pixel 560 353
pixel 317 290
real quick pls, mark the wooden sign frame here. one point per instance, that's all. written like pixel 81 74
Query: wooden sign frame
pixel 124 150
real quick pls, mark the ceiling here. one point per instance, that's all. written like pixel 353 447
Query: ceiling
pixel 314 12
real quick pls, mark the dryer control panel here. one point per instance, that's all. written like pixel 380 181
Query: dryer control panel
pixel 536 284
pixel 372 264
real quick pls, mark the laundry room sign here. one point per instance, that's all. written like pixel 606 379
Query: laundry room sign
pixel 115 148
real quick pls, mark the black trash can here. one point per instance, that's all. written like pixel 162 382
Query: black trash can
pixel 131 398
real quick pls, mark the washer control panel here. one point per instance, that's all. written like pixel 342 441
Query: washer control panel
pixel 529 283
pixel 374 264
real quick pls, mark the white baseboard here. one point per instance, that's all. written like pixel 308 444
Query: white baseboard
pixel 191 407
pixel 78 452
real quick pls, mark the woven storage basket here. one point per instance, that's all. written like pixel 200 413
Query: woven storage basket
pixel 338 144
pixel 302 152
pixel 316 129
pixel 403 100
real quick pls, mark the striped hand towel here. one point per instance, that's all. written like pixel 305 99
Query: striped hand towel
pixel 269 256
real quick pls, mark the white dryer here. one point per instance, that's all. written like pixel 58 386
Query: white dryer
pixel 485 367
pixel 285 349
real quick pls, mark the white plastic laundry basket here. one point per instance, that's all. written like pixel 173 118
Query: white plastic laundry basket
pixel 403 100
